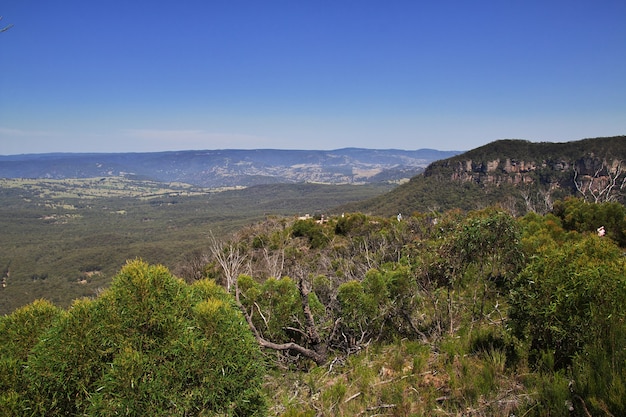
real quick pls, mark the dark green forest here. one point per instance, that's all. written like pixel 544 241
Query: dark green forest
pixel 439 313
pixel 66 239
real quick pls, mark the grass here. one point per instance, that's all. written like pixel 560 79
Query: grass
pixel 404 378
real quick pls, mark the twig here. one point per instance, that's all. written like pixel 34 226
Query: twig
pixel 378 407
pixel 384 382
pixel 578 397
pixel 352 397
pixel 261 314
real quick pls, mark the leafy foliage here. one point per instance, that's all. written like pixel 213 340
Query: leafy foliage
pixel 312 231
pixel 19 333
pixel 380 307
pixel 150 344
pixel 493 296
pixel 275 306
pixel 565 289
pixel 568 304
pixel 580 216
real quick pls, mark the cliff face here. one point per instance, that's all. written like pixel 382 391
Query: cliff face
pixel 494 172
pixel 511 171
pixel 594 169
pixel 522 162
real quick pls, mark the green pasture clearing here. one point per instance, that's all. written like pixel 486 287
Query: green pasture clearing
pixel 86 188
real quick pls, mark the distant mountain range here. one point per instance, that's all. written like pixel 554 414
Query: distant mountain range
pixel 230 167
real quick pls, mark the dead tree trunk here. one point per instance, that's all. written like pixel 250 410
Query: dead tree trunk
pixel 318 352
pixel 230 259
pixel 319 347
pixel 601 188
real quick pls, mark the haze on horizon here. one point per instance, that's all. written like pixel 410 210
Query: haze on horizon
pixel 145 76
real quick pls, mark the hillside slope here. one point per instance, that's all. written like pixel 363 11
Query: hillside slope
pixel 517 174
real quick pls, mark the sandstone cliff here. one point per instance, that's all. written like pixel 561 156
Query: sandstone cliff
pixel 592 168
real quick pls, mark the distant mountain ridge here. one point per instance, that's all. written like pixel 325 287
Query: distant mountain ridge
pixel 230 167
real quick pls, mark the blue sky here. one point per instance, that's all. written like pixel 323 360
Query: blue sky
pixel 120 76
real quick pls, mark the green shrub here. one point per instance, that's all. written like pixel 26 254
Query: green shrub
pixel 19 332
pixel 276 306
pixel 553 396
pixel 581 216
pixel 570 305
pixel 350 224
pixel 150 345
pixel 355 309
pixel 569 296
pixel 312 231
pixel 600 374
pixel 495 345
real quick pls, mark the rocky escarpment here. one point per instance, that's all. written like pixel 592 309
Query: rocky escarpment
pixel 586 171
pixel 594 169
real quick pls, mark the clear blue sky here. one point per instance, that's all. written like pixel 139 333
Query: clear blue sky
pixel 119 76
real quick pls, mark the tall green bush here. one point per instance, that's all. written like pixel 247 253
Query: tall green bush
pixel 275 305
pixel 311 230
pixel 19 332
pixel 490 241
pixel 570 304
pixel 150 345
pixel 569 296
pixel 581 216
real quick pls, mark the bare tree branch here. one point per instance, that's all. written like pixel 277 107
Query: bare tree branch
pixel 313 354
pixel 600 188
pixel 4 29
pixel 275 262
pixel 230 258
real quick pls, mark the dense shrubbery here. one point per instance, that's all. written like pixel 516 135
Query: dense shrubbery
pixel 474 313
pixel 150 345
pixel 19 333
pixel 570 296
pixel 569 306
pixel 312 231
pixel 580 216
pixel 517 296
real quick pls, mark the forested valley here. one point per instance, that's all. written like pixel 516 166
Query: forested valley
pixel 474 313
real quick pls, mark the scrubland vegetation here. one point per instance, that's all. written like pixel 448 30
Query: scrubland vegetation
pixel 454 313
pixel 66 239
pixel 149 345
